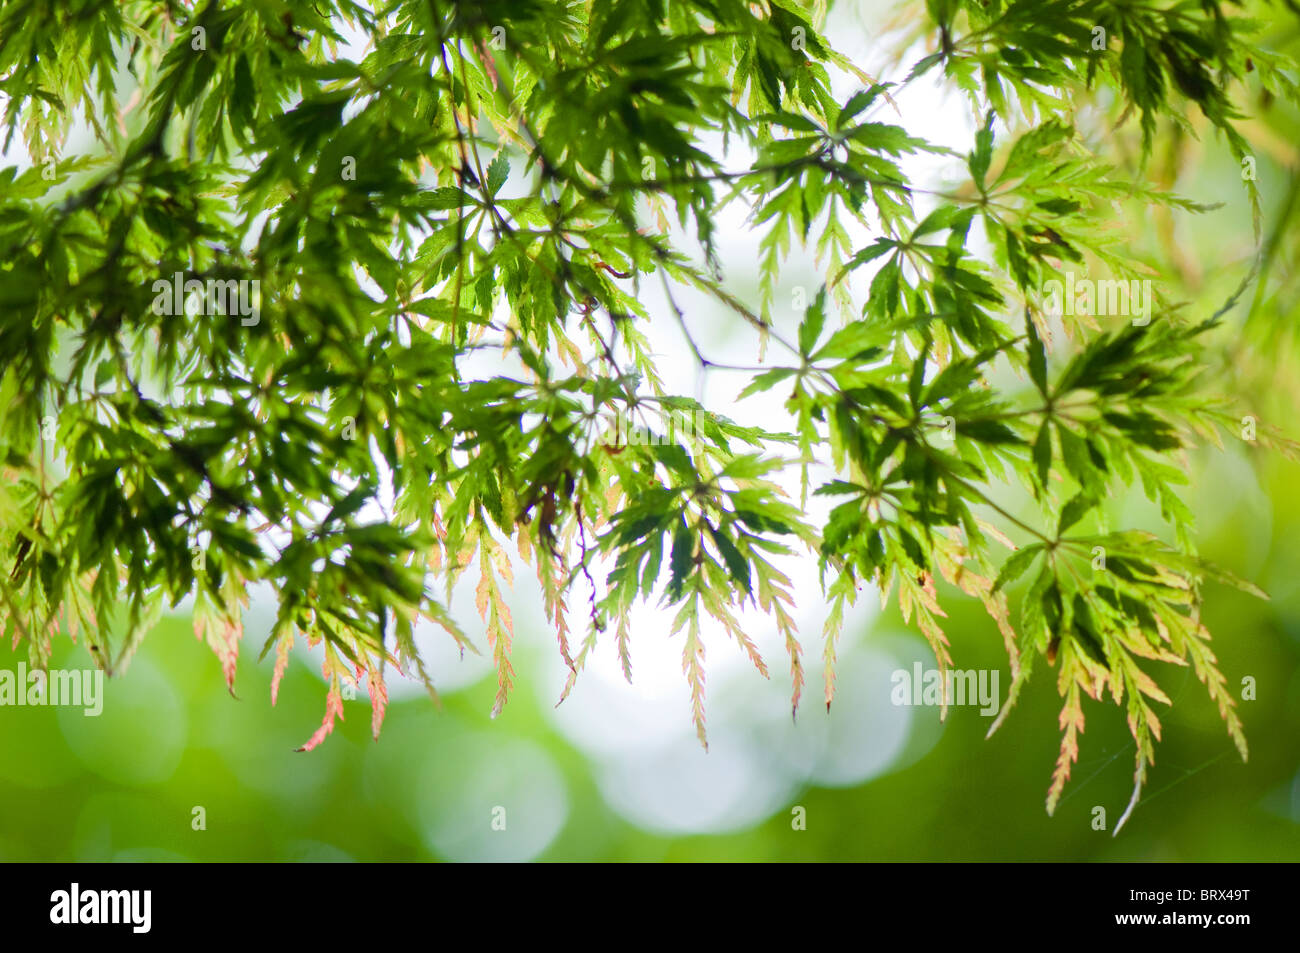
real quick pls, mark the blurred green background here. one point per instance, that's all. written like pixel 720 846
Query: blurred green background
pixel 124 785
pixel 615 773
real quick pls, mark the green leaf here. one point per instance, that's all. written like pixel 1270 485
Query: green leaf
pixel 1073 511
pixel 857 103
pixel 983 154
pixel 1043 454
pixel 1017 564
pixel 766 381
pixel 497 172
pixel 1037 357
pixel 681 560
pixel 810 328
pixel 737 565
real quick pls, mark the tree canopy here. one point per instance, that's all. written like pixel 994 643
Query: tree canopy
pixel 332 257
